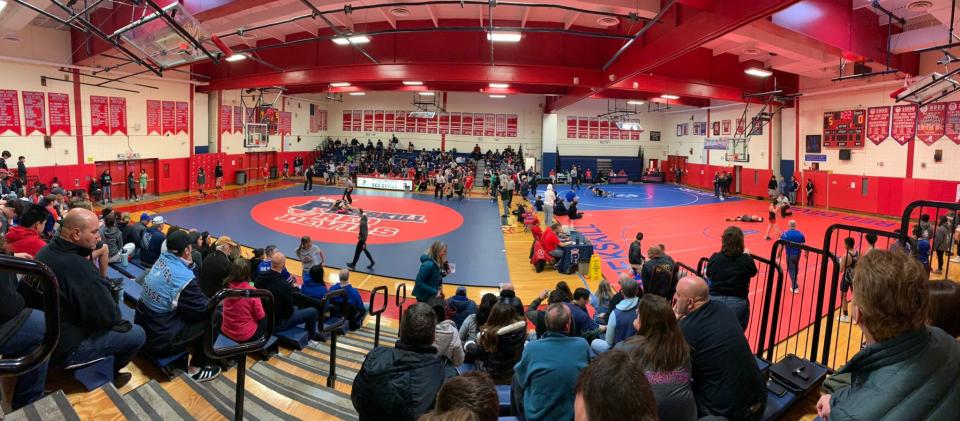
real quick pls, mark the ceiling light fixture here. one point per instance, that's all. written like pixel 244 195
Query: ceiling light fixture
pixel 412 83
pixel 633 102
pixel 357 93
pixel 340 84
pixel 758 72
pixel 501 36
pixel 496 85
pixel 3 4
pixel 498 96
pixel 668 96
pixel 355 39
pixel 426 93
pixel 233 58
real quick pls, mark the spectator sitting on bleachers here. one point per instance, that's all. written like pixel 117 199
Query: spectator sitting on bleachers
pixel 657 273
pixel 401 383
pixel 471 325
pixel 905 370
pixel 133 232
pixel 287 314
pixel 25 238
pixel 10 212
pixel 509 296
pixel 152 242
pixel 446 337
pixel 730 271
pixel 538 317
pixel 218 264
pixel 21 331
pixel 172 309
pixel 314 285
pixel 90 323
pixel 472 396
pixel 664 355
pixel 243 318
pixel 620 324
pixel 266 264
pixel 461 306
pixel 356 310
pixel 548 369
pixel 499 343
pixel 601 395
pixel 112 237
pixel 945 306
pixel 601 301
pixel 584 326
pixel 726 379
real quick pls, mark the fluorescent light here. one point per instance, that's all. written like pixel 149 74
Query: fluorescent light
pixel 498 96
pixel 3 4
pixel 357 93
pixel 340 84
pixel 426 93
pixel 758 72
pixel 235 57
pixel 668 96
pixel 356 39
pixel 496 85
pixel 412 83
pixel 635 102
pixel 500 36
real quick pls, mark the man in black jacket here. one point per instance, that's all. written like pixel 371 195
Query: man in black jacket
pixel 216 266
pixel 509 296
pixel 287 315
pixel 657 273
pixel 635 256
pixel 90 322
pixel 401 383
pixel 361 243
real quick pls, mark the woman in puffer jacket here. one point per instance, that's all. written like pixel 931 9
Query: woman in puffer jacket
pixel 499 344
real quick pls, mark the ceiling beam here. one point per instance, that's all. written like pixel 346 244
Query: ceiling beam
pixel 433 16
pixel 390 19
pixel 526 14
pixel 571 18
pixel 691 33
pixel 683 88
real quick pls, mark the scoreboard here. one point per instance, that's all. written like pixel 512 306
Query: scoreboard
pixel 844 129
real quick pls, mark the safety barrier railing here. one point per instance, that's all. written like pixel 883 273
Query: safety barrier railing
pixel 943 219
pixel 334 328
pixel 702 265
pixel 400 299
pixel 47 282
pixel 682 269
pixel 376 312
pixel 211 332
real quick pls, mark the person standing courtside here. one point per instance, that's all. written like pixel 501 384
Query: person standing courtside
pixel 793 235
pixel 361 244
pixel 348 190
pixel 308 179
pixel 218 175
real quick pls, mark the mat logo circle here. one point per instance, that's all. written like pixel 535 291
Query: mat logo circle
pixel 389 220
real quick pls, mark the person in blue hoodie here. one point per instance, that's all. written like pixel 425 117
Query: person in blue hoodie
pixel 544 379
pixel 172 309
pixel 429 280
pixel 152 242
pixel 357 311
pixel 620 324
pixel 462 306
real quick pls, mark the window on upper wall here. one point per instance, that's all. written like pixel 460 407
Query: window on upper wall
pixel 864 187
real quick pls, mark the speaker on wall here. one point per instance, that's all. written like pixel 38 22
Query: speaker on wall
pixel 938 155
pixel 844 154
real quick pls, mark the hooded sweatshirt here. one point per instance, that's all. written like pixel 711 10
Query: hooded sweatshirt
pixel 24 240
pixel 113 238
pixel 447 342
pixel 463 307
pixel 624 305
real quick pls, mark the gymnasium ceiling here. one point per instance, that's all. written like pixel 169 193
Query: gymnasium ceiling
pixel 570 49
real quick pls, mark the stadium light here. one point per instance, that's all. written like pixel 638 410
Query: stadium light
pixel 356 39
pixel 233 58
pixel 357 93
pixel 498 96
pixel 669 96
pixel 501 36
pixel 339 84
pixel 497 85
pixel 412 83
pixel 758 72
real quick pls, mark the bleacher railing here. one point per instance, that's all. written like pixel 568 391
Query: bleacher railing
pixel 376 312
pixel 702 265
pixel 51 314
pixel 400 299
pixel 911 217
pixel 334 328
pixel 211 331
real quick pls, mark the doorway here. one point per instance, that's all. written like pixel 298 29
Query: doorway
pixel 119 171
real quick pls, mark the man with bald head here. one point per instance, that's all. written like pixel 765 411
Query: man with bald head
pixel 726 380
pixel 356 309
pixel 90 324
pixel 287 315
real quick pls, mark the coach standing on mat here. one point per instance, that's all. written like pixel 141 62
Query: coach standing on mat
pixel 793 235
pixel 361 243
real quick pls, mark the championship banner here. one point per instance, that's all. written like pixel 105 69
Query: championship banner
pixel 716 128
pixel 878 124
pixel 9 112
pixel 58 108
pixel 952 122
pixel 741 127
pixel 226 122
pixel 286 123
pixel 904 123
pixel 237 120
pixel 99 121
pixel 512 127
pixel 118 115
pixel 183 117
pixel 34 119
pixel 153 117
pixel 726 127
pixel 169 117
pixel 930 122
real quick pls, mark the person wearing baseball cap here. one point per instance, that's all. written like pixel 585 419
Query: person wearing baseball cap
pixel 172 309
pixel 216 266
pixel 152 243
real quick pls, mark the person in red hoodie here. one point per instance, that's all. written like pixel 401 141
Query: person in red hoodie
pixel 25 238
pixel 243 318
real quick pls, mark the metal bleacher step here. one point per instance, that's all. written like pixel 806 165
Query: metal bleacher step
pixel 304 391
pixel 105 403
pixel 222 393
pixel 343 353
pixel 365 333
pixel 151 402
pixel 54 406
pixel 315 366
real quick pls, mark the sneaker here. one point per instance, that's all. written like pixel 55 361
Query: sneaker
pixel 352 266
pixel 121 379
pixel 955 259
pixel 370 266
pixel 844 318
pixel 766 238
pixel 938 271
pixel 795 290
pixel 207 373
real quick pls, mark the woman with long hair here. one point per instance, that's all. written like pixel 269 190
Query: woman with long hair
pixel 663 353
pixel 243 318
pixel 471 325
pixel 433 267
pixel 499 344
pixel 131 187
pixel 729 271
pixel 772 220
pixel 600 301
pixel 309 255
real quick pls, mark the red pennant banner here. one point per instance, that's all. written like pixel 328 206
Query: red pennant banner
pixel 183 117
pixel 118 115
pixel 237 120
pixel 930 122
pixel 904 123
pixel 726 127
pixel 34 119
pixel 153 117
pixel 169 117
pixel 9 112
pixel 99 121
pixel 952 126
pixel 878 124
pixel 286 123
pixel 226 122
pixel 58 108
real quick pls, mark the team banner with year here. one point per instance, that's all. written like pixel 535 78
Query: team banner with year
pixel 99 121
pixel 34 119
pixel 169 117
pixel 930 122
pixel 903 123
pixel 153 117
pixel 286 123
pixel 58 108
pixel 952 120
pixel 226 122
pixel 237 120
pixel 878 124
pixel 9 112
pixel 183 117
pixel 118 115
pixel 726 127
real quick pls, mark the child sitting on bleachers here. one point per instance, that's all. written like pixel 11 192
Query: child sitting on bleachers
pixel 243 318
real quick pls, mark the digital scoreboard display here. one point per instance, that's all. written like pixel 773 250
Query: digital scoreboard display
pixel 844 129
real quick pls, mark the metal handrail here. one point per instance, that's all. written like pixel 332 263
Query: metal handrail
pixel 332 329
pixel 376 312
pixel 702 265
pixel 400 299
pixel 51 315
